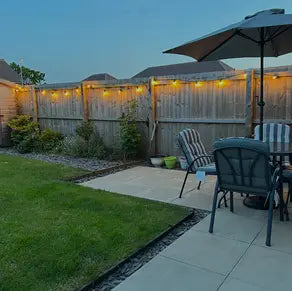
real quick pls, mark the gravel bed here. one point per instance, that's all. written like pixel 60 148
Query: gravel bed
pixel 85 164
pixel 145 255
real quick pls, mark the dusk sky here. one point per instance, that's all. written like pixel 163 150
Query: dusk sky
pixel 71 39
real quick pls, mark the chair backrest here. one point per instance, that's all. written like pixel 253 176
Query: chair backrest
pixel 192 147
pixel 274 132
pixel 242 165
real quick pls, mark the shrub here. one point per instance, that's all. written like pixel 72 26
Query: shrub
pixel 24 134
pixel 85 130
pixel 48 140
pixel 86 144
pixel 130 138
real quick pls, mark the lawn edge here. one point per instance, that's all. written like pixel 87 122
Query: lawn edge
pixel 102 171
pixel 91 284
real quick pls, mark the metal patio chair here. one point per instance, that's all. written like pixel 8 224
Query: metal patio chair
pixel 197 158
pixel 243 166
pixel 277 132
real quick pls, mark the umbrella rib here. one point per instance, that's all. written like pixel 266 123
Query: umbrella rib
pixel 272 42
pixel 247 37
pixel 217 47
pixel 279 33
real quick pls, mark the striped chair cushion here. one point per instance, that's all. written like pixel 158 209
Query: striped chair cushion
pixel 274 132
pixel 191 144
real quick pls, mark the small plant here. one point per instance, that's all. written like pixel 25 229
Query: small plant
pixel 24 134
pixel 130 138
pixel 86 144
pixel 48 140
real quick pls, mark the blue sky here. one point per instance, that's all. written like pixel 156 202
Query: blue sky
pixel 71 39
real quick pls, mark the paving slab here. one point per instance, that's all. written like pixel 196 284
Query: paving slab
pixel 281 237
pixel 206 251
pixel 265 267
pixel 236 285
pixel 163 274
pixel 231 225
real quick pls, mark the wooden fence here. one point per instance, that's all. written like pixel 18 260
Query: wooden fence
pixel 218 104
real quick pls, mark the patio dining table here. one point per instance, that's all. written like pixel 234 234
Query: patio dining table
pixel 278 150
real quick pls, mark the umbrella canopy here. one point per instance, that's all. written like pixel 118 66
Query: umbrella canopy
pixel 265 34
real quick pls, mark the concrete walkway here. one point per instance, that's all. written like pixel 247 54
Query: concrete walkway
pixel 234 258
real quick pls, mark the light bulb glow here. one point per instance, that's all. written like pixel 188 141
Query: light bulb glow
pixel 43 92
pixel 198 84
pixel 105 93
pixel 174 82
pixel 221 83
pixel 139 89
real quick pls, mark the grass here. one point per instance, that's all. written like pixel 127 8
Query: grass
pixel 56 235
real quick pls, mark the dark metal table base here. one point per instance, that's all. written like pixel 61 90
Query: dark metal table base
pixel 256 202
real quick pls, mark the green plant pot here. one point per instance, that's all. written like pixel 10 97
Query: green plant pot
pixel 170 162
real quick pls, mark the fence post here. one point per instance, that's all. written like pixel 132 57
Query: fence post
pixel 249 102
pixel 152 119
pixel 35 103
pixel 85 102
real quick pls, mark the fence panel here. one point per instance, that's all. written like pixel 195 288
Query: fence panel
pixel 213 103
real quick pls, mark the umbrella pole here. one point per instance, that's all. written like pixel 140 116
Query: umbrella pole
pixel 262 103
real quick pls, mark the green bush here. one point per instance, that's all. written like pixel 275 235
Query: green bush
pixel 48 140
pixel 86 144
pixel 24 133
pixel 27 137
pixel 130 138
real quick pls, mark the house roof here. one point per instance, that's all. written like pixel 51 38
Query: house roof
pixel 184 68
pixel 100 77
pixel 7 73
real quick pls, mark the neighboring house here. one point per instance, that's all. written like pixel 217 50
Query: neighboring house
pixel 184 68
pixel 8 109
pixel 100 77
pixel 7 73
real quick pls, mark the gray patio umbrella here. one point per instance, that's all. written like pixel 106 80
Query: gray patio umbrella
pixel 265 34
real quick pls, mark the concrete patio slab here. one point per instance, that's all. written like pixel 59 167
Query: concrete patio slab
pixel 206 251
pixel 166 274
pixel 281 237
pixel 265 267
pixel 237 285
pixel 233 258
pixel 231 225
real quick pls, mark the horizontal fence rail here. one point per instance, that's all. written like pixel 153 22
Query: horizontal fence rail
pixel 217 104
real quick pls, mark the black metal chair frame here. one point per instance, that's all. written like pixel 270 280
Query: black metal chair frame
pixel 270 192
pixel 189 170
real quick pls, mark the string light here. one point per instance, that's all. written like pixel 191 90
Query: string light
pixel 198 84
pixel 77 90
pixel 105 92
pixel 43 92
pixel 154 82
pixel 139 89
pixel 244 75
pixel 66 93
pixel 174 82
pixel 221 83
pixel 120 90
pixel 275 77
pixel 88 86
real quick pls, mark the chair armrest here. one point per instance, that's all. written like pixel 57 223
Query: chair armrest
pixel 200 157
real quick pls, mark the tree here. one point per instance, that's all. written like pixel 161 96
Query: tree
pixel 29 76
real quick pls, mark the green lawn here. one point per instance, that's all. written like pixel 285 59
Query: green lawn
pixel 56 235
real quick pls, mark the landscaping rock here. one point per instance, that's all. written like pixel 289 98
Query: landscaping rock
pixel 89 164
